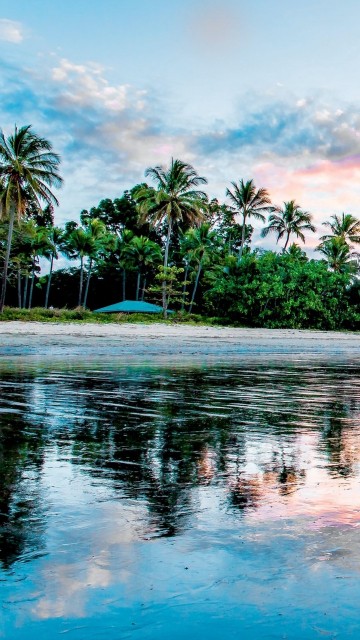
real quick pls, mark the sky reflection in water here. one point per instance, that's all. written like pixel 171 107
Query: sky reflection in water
pixel 148 502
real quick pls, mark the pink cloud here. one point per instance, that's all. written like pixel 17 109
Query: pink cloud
pixel 323 188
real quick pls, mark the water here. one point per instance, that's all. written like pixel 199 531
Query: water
pixel 203 502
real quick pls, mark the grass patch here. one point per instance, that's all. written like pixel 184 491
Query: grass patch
pixel 82 316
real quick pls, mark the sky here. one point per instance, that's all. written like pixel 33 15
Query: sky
pixel 240 89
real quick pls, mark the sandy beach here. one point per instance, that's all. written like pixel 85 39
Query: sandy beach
pixel 173 343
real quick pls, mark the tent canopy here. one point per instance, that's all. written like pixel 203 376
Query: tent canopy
pixel 131 306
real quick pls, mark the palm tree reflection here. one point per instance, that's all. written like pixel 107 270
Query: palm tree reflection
pixel 162 436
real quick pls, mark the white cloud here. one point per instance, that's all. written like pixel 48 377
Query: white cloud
pixel 107 133
pixel 84 85
pixel 11 31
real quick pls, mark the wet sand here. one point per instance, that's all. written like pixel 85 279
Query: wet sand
pixel 171 342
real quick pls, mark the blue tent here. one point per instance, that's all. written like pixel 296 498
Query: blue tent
pixel 131 306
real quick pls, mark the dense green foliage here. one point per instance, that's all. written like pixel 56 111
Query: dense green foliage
pixel 286 290
pixel 169 244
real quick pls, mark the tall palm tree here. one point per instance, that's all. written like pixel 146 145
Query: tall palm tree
pixel 143 252
pixel 201 243
pixel 80 245
pixel 30 242
pixel 176 199
pixel 338 254
pixel 40 247
pixel 125 261
pixel 290 220
pixel 22 250
pixel 248 202
pixel 56 241
pixel 28 171
pixel 345 226
pixel 186 246
pixel 20 260
pixel 100 241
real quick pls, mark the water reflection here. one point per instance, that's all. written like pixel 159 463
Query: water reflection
pixel 111 475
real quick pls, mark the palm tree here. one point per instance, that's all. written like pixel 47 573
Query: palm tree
pixel 291 220
pixel 143 252
pixel 21 254
pixel 40 247
pixel 22 249
pixel 338 254
pixel 56 241
pixel 346 227
pixel 248 202
pixel 80 244
pixel 28 170
pixel 100 241
pixel 125 261
pixel 201 243
pixel 186 245
pixel 296 253
pixel 176 199
pixel 30 242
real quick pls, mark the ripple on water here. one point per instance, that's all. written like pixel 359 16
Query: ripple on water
pixel 157 501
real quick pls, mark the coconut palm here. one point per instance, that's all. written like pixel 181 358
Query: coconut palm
pixel 338 254
pixel 296 253
pixel 28 171
pixel 20 261
pixel 125 261
pixel 248 202
pixel 40 247
pixel 290 220
pixel 56 241
pixel 101 241
pixel 30 242
pixel 201 243
pixel 176 199
pixel 144 253
pixel 22 250
pixel 345 226
pixel 80 245
pixel 186 246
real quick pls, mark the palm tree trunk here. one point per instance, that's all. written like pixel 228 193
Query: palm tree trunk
pixel 81 280
pixel 184 286
pixel 26 284
pixel 7 258
pixel 32 286
pixel 143 290
pixel 242 237
pixel 166 260
pixel 124 284
pixel 167 244
pixel 49 282
pixel 19 287
pixel 195 287
pixel 88 282
pixel 138 285
pixel 287 240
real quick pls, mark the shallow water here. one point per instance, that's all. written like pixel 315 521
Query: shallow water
pixel 200 501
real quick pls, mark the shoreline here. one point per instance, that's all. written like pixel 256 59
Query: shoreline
pixel 172 342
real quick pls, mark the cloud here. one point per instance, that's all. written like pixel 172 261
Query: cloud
pixel 299 129
pixel 84 85
pixel 108 133
pixel 11 31
pixel 323 188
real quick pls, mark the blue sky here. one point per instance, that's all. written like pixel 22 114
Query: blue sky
pixel 240 89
